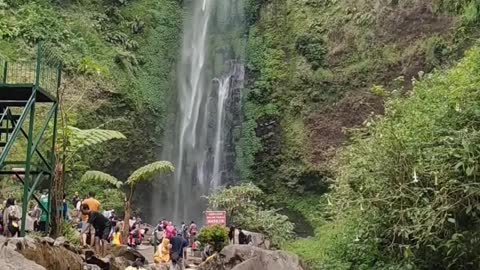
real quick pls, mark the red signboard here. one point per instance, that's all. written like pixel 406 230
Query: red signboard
pixel 215 218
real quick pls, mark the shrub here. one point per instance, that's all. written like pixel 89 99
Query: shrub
pixel 417 171
pixel 312 48
pixel 216 235
pixel 70 233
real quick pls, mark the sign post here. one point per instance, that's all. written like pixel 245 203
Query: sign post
pixel 215 218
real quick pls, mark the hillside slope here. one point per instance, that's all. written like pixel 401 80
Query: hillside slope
pixel 120 59
pixel 320 68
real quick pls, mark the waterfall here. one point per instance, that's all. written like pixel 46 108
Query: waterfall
pixel 225 86
pixel 207 98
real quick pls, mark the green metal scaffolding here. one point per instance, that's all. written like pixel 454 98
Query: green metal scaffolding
pixel 25 86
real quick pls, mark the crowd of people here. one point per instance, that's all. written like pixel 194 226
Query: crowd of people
pixel 101 228
pixel 36 219
pixel 173 242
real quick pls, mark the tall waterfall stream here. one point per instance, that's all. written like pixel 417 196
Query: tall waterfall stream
pixel 208 101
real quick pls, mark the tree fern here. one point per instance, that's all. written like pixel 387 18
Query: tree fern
pixel 101 177
pixel 79 138
pixel 149 171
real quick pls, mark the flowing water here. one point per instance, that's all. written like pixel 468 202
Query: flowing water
pixel 208 100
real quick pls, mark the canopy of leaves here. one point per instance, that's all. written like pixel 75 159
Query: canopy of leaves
pixel 144 173
pixel 236 199
pixel 148 172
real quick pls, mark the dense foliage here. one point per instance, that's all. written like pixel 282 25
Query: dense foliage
pixel 216 235
pixel 245 210
pixel 402 193
pixel 416 172
pixel 119 72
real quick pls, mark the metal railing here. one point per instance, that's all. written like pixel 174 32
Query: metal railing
pixel 43 72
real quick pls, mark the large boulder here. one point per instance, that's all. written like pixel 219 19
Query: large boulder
pixel 127 253
pixel 258 239
pixel 43 252
pixel 10 259
pixel 47 253
pixel 246 257
pixel 119 263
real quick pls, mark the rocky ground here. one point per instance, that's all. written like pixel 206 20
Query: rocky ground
pixel 49 254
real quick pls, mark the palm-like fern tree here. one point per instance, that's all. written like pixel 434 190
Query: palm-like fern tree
pixel 145 173
pixel 72 141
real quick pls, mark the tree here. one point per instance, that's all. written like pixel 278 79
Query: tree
pixel 71 141
pixel 236 200
pixel 143 174
pixel 245 209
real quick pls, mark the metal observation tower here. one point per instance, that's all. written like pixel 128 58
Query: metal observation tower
pixel 29 91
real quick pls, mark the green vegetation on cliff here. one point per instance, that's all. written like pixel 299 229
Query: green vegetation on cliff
pixel 120 59
pixel 312 65
pixel 407 189
pixel 321 69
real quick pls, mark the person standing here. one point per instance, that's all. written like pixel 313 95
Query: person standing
pixel 100 223
pixel 184 230
pixel 75 199
pixel 192 232
pixel 11 218
pixel 78 211
pixel 94 206
pixel 231 235
pixel 177 252
pixel 42 225
pixel 65 207
pixel 170 231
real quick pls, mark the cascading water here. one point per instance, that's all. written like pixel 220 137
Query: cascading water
pixel 225 85
pixel 203 129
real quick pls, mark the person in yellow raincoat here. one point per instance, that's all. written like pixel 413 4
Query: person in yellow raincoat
pixel 163 252
pixel 117 237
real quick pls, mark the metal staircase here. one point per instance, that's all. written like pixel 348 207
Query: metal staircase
pixel 28 123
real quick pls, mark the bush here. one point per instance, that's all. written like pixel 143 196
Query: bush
pixel 312 48
pixel 216 235
pixel 70 233
pixel 417 171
